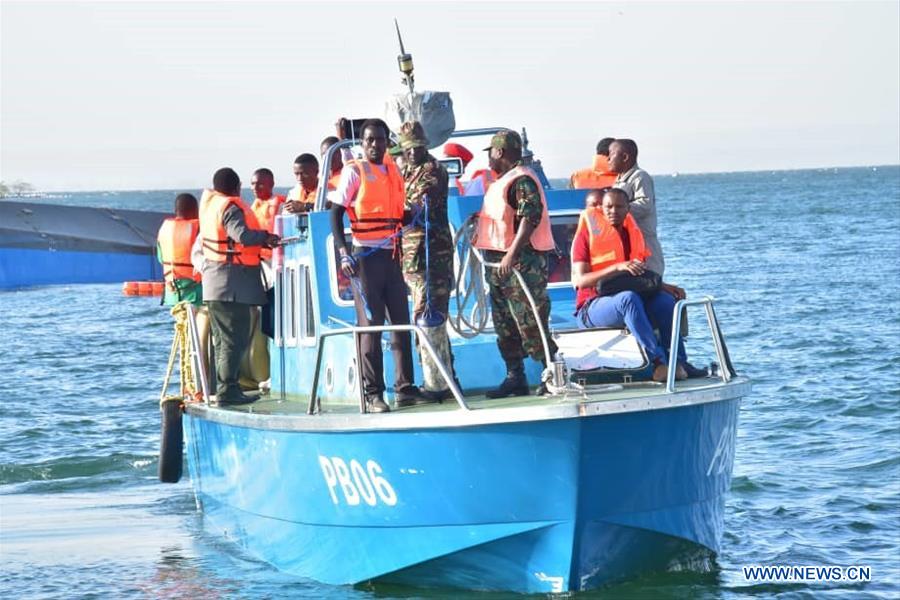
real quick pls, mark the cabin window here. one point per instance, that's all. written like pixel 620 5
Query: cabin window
pixel 307 314
pixel 559 263
pixel 290 306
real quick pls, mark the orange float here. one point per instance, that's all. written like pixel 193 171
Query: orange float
pixel 143 288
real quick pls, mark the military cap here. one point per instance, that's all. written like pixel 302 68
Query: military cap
pixel 412 135
pixel 506 138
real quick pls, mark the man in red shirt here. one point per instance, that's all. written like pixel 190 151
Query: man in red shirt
pixel 608 244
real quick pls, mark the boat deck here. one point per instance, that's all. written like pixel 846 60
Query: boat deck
pixel 272 404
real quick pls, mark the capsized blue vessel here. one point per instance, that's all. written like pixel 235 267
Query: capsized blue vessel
pixel 47 244
pixel 611 476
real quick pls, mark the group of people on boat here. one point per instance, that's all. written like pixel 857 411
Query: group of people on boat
pixel 401 243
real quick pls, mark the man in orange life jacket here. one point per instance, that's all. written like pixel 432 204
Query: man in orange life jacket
pixel 371 193
pixel 608 245
pixel 514 230
pixel 175 243
pixel 598 175
pixel 173 249
pixel 302 197
pixel 266 204
pixel 232 284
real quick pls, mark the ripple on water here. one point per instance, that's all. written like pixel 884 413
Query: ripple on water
pixel 816 464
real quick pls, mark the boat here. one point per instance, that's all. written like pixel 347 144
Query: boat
pixel 610 476
pixel 47 244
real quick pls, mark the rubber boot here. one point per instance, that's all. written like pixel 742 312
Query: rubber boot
pixel 432 381
pixel 515 383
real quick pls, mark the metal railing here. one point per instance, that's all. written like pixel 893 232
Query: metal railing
pixel 314 406
pixel 727 370
pixel 196 359
pixel 325 171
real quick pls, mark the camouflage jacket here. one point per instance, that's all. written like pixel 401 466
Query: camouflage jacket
pixel 429 178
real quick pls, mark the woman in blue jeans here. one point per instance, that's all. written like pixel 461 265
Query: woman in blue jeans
pixel 608 244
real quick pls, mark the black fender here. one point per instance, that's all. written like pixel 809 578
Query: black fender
pixel 171 442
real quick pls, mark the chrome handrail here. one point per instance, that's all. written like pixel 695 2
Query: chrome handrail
pixel 479 131
pixel 325 171
pixel 196 359
pixel 356 331
pixel 715 331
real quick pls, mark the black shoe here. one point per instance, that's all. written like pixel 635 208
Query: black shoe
pixel 693 372
pixel 542 390
pixel 411 396
pixel 235 400
pixel 439 397
pixel 376 404
pixel 515 384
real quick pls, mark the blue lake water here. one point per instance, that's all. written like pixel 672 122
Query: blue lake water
pixel 806 269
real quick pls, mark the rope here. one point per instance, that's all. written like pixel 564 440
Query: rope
pixel 418 218
pixel 181 347
pixel 472 274
pixel 469 285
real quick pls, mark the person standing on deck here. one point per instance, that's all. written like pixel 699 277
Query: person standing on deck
pixel 173 249
pixel 302 197
pixel 429 281
pixel 232 285
pixel 175 241
pixel 371 193
pixel 514 230
pixel 598 175
pixel 638 184
pixel 266 206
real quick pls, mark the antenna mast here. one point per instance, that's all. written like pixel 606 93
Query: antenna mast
pixel 405 62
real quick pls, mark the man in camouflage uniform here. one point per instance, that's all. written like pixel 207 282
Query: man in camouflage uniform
pixel 518 332
pixel 425 178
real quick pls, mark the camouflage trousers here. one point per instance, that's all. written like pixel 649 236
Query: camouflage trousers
pixel 439 288
pixel 518 332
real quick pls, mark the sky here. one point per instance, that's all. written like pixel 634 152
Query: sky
pixel 158 95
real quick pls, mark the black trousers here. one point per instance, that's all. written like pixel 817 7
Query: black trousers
pixel 383 295
pixel 230 324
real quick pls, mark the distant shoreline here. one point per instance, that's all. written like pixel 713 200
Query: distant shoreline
pixel 44 192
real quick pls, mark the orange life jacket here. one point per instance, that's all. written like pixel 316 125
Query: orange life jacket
pixel 176 237
pixel 378 209
pixel 217 246
pixel 595 177
pixel 496 221
pixel 333 181
pixel 605 243
pixel 266 211
pixel 299 194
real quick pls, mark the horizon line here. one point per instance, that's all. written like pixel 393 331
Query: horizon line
pixel 671 174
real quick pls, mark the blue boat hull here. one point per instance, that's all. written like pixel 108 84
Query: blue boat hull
pixel 22 267
pixel 530 506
